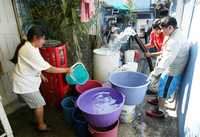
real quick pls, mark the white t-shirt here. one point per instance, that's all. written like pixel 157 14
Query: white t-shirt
pixel 26 75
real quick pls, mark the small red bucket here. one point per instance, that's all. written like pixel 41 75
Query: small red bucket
pixel 88 85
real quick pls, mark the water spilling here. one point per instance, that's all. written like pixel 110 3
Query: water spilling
pixel 103 103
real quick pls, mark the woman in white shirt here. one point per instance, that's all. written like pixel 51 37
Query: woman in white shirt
pixel 27 73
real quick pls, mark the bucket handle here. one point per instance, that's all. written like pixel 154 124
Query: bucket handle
pixel 74 79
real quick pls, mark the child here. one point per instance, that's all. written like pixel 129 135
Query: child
pixel 27 73
pixel 156 40
pixel 169 66
pixel 155 46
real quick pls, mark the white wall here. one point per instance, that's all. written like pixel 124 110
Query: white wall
pixel 189 98
pixel 9 38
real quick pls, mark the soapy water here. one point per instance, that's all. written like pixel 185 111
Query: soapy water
pixel 104 103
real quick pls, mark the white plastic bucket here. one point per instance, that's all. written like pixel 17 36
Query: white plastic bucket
pixel 129 56
pixel 131 66
pixel 105 62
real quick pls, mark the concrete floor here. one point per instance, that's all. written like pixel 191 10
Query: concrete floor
pixel 21 122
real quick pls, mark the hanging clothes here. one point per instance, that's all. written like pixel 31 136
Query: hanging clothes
pixel 87 10
pixel 118 4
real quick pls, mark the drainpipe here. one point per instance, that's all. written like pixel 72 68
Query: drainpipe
pixel 17 18
pixel 191 19
pixel 179 11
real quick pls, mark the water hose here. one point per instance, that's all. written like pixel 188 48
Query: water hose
pixel 144 50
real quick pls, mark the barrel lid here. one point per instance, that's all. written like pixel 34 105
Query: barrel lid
pixel 52 43
pixel 105 52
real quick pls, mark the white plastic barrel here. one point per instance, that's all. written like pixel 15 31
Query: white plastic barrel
pixel 106 61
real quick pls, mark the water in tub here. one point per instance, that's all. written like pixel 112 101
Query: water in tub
pixel 104 103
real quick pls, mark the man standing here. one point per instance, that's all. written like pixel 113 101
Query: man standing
pixel 147 31
pixel 169 66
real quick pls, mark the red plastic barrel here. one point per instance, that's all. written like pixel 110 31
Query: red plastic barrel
pixel 55 89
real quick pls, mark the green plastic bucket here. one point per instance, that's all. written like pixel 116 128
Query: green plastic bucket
pixel 79 75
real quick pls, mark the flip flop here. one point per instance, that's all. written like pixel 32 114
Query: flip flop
pixel 47 129
pixel 155 113
pixel 149 92
pixel 153 101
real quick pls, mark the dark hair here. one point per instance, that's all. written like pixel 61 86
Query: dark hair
pixel 168 21
pixel 156 24
pixel 33 31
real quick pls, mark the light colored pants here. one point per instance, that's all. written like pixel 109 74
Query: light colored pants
pixel 33 100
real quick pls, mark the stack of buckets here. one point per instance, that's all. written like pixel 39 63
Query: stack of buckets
pixel 134 86
pixel 101 124
pixel 130 61
pixel 83 127
pixel 128 111
pixel 72 115
pixel 131 84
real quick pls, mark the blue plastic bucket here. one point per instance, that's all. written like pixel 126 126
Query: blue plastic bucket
pixel 132 84
pixel 80 124
pixel 79 75
pixel 68 105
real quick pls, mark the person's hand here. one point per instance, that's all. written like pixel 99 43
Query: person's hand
pixel 150 77
pixel 44 79
pixel 147 45
pixel 114 29
pixel 68 70
pixel 147 54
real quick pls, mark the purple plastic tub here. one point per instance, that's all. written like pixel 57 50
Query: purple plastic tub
pixel 101 106
pixel 132 84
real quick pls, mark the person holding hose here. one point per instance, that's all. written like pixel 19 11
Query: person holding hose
pixel 169 66
pixel 27 74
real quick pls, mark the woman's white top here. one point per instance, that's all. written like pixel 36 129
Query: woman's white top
pixel 26 74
